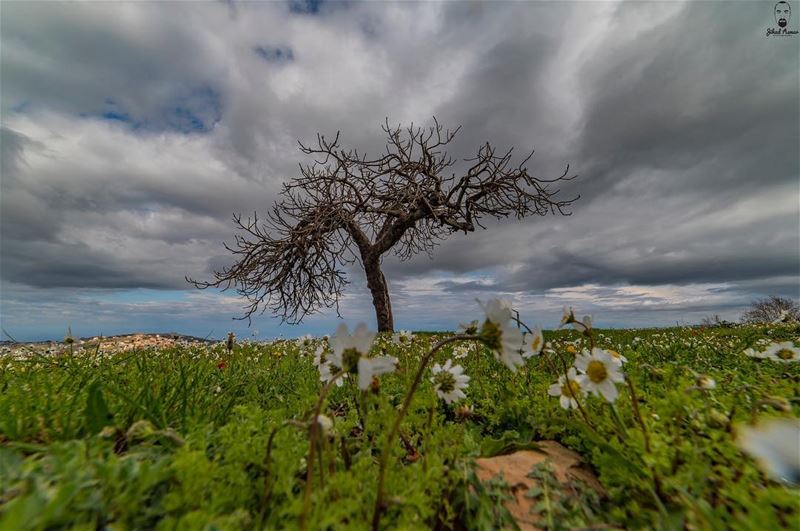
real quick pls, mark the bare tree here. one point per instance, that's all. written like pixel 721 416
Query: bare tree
pixel 346 207
pixel 772 309
pixel 711 321
pixel 714 321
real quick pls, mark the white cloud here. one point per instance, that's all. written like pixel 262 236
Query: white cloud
pixel 131 133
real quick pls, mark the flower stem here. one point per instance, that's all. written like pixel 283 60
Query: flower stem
pixel 620 425
pixel 573 395
pixel 387 446
pixel 635 402
pixel 312 447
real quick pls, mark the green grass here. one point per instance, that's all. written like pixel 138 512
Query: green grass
pixel 177 439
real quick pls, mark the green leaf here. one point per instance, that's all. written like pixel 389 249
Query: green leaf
pixel 96 415
pixel 509 442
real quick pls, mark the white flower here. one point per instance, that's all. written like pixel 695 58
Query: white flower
pixel 325 423
pixel 461 351
pixel 347 349
pixel 449 381
pixel 784 352
pixel 619 358
pixel 371 367
pixel 497 310
pixel 402 337
pixel 304 341
pixel 753 353
pixel 775 444
pixel 567 392
pixel 470 328
pixel 500 335
pixel 583 325
pixel 705 382
pixel 534 344
pixel 319 356
pixel 327 371
pixel 567 317
pixel 600 372
pixel 350 354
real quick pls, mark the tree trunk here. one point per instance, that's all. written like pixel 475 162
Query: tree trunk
pixel 380 294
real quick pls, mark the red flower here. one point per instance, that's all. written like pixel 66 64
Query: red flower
pixel 221 365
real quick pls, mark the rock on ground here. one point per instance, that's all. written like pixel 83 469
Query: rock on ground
pixel 565 464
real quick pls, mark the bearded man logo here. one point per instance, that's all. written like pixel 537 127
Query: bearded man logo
pixel 783 12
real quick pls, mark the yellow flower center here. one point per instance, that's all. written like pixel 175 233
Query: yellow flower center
pixel 536 344
pixel 596 371
pixel 350 359
pixel 491 335
pixel 785 354
pixel 614 353
pixel 571 349
pixel 446 381
pixel 571 388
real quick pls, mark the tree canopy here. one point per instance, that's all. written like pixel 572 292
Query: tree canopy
pixel 347 207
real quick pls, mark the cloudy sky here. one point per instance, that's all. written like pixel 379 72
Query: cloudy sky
pixel 131 132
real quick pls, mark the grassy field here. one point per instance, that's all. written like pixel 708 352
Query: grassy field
pixel 207 438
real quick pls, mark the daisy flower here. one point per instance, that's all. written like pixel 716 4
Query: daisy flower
pixel 705 382
pixel 567 391
pixel 368 368
pixel 304 341
pixel 753 353
pixel 774 444
pixel 567 317
pixel 534 344
pixel 571 349
pixel 600 373
pixel 449 381
pixel 328 371
pixel 619 358
pixel 350 351
pixel 470 328
pixel 461 351
pixel 325 423
pixel 403 337
pixel 319 356
pixel 784 352
pixel 500 335
pixel 584 325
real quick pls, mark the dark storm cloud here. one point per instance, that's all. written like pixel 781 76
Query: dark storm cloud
pixel 131 133
pixel 682 124
pixel 693 92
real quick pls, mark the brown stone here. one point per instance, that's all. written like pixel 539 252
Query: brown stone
pixel 565 464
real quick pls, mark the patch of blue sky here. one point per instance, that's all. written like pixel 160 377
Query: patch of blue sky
pixel 141 295
pixel 275 54
pixel 315 7
pixel 115 116
pixel 196 110
pixel 305 6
